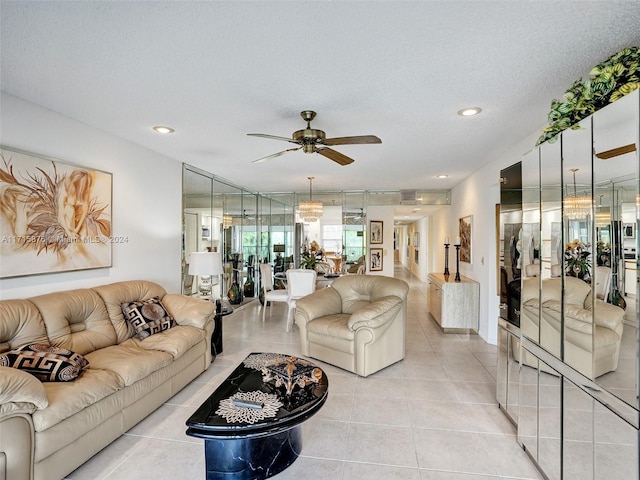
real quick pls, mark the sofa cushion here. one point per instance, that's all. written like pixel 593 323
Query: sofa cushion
pixel 45 362
pixel 147 317
pixel 115 294
pixel 21 324
pixel 188 310
pixel 129 361
pixel 175 341
pixel 575 291
pixel 358 291
pixel 76 320
pixel 375 314
pixel 17 386
pixel 332 331
pixel 67 399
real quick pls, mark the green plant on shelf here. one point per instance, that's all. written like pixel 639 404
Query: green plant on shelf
pixel 608 81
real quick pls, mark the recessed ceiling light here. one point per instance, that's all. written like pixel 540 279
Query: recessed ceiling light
pixel 442 176
pixel 467 112
pixel 163 129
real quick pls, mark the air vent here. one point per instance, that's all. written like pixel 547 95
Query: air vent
pixel 407 197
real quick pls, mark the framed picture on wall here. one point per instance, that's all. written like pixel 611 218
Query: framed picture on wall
pixel 56 216
pixel 375 259
pixel 465 225
pixel 375 232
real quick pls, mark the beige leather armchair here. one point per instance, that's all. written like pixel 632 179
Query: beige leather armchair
pixel 592 329
pixel 358 323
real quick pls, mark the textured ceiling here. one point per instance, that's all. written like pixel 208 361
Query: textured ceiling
pixel 216 71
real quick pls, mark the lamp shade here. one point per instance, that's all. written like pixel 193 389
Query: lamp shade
pixel 205 263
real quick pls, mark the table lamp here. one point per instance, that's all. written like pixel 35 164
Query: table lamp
pixel 204 265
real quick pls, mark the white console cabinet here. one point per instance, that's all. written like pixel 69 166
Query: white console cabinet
pixel 454 305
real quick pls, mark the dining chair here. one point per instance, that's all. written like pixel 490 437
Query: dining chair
pixel 602 283
pixel 300 283
pixel 270 295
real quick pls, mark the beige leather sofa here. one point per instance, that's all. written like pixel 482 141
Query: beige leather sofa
pixel 47 429
pixel 358 323
pixel 593 329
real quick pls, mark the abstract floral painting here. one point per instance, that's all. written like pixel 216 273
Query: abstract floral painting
pixel 465 225
pixel 54 217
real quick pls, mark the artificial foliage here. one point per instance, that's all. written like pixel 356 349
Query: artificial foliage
pixel 608 81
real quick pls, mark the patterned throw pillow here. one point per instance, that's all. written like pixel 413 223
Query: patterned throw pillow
pixel 147 317
pixel 46 363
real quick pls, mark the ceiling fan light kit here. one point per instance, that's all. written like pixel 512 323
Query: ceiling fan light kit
pixel 312 140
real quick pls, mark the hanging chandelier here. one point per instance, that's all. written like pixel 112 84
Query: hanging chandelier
pixel 575 207
pixel 227 221
pixel 310 211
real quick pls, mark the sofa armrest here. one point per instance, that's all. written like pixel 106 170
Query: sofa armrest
pixel 608 316
pixel 20 387
pixel 323 302
pixel 186 310
pixel 376 313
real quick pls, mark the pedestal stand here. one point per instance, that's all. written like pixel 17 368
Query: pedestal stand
pixel 446 259
pixel 457 277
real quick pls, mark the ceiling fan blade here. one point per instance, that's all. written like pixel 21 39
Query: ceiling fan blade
pixel 269 157
pixel 352 140
pixel 273 137
pixel 335 156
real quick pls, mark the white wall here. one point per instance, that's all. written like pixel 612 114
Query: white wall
pixel 147 198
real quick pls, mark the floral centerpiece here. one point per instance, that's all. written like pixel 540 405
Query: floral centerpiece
pixel 576 259
pixel 311 256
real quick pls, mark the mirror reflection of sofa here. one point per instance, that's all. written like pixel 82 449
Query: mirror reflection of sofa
pixel 593 328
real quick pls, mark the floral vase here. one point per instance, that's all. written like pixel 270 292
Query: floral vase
pixel 234 294
pixel 249 286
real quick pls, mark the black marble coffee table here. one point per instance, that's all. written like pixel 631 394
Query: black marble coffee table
pixel 251 427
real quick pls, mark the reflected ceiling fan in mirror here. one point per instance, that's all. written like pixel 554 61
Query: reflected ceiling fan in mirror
pixel 311 140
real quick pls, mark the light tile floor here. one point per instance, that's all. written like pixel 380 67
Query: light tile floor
pixel 431 416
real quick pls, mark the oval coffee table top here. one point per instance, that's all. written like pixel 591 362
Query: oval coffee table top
pixel 262 379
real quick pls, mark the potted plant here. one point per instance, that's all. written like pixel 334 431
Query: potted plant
pixel 577 261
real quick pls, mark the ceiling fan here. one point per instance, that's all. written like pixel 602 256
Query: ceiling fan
pixel 315 141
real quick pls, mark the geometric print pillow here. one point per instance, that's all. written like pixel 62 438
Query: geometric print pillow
pixel 46 363
pixel 147 317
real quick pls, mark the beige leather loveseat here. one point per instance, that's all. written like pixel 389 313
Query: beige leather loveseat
pixel 358 323
pixel 47 429
pixel 592 328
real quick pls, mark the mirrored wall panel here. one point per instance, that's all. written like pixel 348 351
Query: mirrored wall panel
pixel 615 172
pixel 579 415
